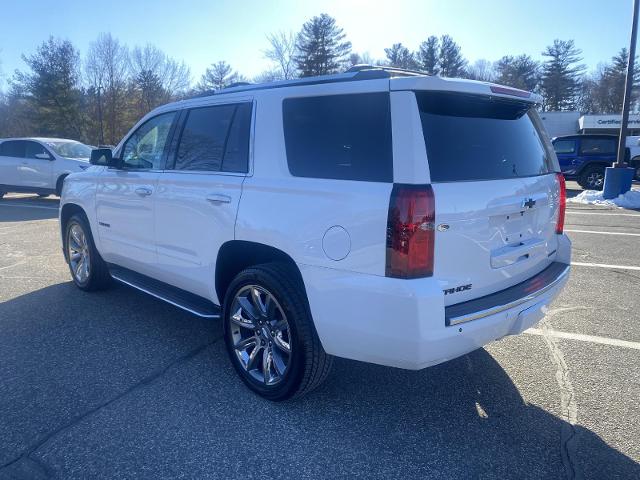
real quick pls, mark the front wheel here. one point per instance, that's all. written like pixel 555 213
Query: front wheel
pixel 592 178
pixel 88 270
pixel 269 333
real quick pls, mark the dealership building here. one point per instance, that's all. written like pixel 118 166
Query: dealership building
pixel 569 123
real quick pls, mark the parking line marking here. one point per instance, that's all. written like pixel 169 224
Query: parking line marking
pixel 585 338
pixel 27 206
pixel 604 265
pixel 575 212
pixel 604 233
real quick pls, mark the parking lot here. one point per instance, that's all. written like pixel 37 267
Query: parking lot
pixel 120 385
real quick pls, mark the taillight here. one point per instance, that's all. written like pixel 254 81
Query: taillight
pixel 410 231
pixel 562 206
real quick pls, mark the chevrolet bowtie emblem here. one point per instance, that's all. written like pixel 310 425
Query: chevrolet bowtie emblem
pixel 528 203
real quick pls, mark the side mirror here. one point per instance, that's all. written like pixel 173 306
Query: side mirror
pixel 43 156
pixel 103 157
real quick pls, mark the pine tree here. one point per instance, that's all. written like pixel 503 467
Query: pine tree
pixel 428 56
pixel 321 47
pixel 218 76
pixel 519 72
pixel 52 89
pixel 561 76
pixel 451 63
pixel 399 56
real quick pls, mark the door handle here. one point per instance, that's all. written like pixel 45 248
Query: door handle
pixel 217 198
pixel 143 192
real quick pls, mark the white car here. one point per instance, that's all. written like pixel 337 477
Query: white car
pixel 39 165
pixel 375 215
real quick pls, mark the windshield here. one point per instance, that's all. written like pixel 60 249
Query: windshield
pixel 70 149
pixel 473 137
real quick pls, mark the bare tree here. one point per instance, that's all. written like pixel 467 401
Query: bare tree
pixel 482 70
pixel 283 52
pixel 107 70
pixel 156 77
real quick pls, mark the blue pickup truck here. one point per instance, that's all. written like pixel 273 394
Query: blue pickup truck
pixel 585 157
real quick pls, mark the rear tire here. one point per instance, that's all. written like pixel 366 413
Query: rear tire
pixel 260 328
pixel 88 270
pixel 592 177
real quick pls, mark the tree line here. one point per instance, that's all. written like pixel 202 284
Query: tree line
pixel 98 97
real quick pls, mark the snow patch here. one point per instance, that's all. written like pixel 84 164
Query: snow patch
pixel 631 199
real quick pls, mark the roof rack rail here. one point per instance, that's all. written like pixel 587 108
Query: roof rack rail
pixel 391 70
pixel 357 72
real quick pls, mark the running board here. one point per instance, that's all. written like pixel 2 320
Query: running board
pixel 175 296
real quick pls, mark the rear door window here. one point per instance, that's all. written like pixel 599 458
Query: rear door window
pixel 13 148
pixel 474 137
pixel 344 137
pixel 215 138
pixel 598 146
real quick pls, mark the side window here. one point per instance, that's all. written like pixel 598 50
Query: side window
pixel 215 139
pixel 598 146
pixel 35 150
pixel 344 137
pixel 236 155
pixel 565 146
pixel 145 147
pixel 12 148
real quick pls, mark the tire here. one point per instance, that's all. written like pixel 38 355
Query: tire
pixel 280 296
pixel 78 240
pixel 592 177
pixel 59 185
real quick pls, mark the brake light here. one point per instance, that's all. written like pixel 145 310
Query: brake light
pixel 410 232
pixel 562 207
pixel 510 91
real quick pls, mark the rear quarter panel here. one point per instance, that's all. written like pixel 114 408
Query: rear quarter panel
pixel 293 214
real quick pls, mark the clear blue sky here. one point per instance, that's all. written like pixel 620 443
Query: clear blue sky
pixel 204 31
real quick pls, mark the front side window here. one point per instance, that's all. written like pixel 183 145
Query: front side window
pixel 342 137
pixel 13 148
pixel 215 138
pixel 35 150
pixel 145 148
pixel 565 146
pixel 598 146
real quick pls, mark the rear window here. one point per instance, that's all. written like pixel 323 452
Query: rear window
pixel 344 137
pixel 472 137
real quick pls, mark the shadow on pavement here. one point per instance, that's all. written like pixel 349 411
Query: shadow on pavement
pixel 27 208
pixel 65 353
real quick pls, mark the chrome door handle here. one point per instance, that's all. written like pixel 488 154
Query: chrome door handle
pixel 143 192
pixel 217 198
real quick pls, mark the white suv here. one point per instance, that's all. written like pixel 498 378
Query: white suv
pixel 39 165
pixel 376 215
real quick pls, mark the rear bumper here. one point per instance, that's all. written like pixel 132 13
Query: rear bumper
pixel 402 323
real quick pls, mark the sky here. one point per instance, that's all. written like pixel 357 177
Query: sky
pixel 202 32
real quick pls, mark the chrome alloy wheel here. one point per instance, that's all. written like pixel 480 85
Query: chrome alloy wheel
pixel 595 180
pixel 79 257
pixel 260 334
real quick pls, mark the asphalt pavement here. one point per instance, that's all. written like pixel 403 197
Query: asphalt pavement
pixel 117 384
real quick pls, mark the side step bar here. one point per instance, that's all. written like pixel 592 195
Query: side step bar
pixel 180 298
